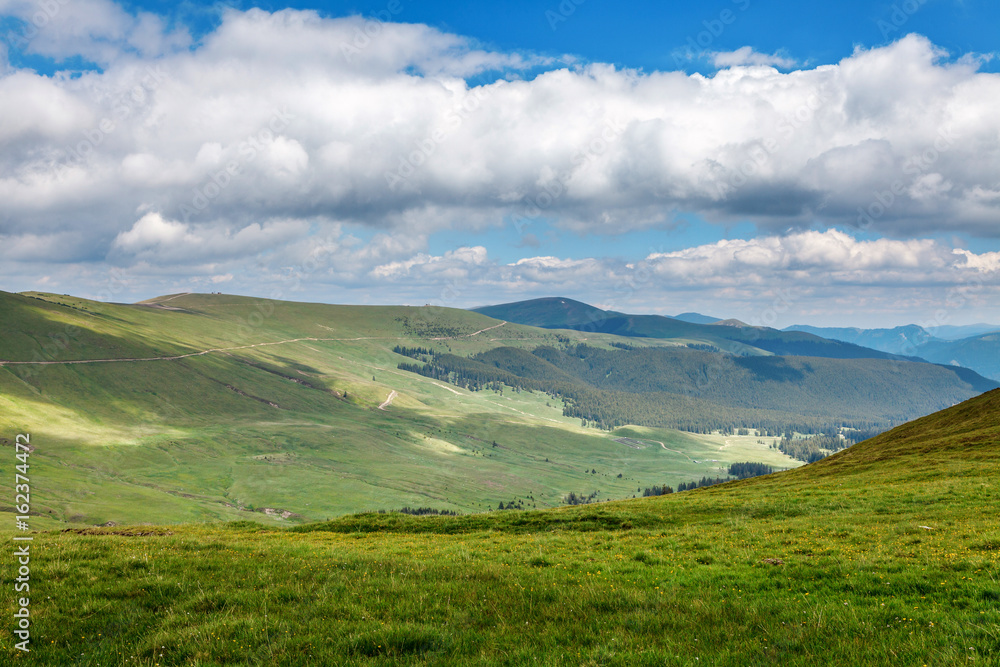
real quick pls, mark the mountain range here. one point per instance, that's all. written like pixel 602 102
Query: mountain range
pixel 976 347
pixel 979 351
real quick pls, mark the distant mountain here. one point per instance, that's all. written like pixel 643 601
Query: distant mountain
pixel 900 340
pixel 549 312
pixel 948 332
pixel 981 353
pixel 697 318
pixel 730 336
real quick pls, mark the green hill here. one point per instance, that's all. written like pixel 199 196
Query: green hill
pixel 885 554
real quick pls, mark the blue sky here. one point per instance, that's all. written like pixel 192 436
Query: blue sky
pixel 839 158
pixel 648 34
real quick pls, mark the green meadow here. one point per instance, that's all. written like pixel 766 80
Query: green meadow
pixel 884 554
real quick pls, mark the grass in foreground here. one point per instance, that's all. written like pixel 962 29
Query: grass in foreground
pixel 887 553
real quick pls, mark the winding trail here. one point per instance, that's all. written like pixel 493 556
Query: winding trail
pixel 471 334
pixel 672 450
pixel 387 402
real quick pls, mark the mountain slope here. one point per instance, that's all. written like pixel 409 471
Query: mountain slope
pixel 678 386
pixel 900 340
pixel 696 318
pixel 979 353
pixel 737 338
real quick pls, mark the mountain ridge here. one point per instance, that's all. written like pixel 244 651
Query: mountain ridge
pixel 732 335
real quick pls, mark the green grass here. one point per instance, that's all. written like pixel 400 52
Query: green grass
pixel 889 556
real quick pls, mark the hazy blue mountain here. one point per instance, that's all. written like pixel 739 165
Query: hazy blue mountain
pixel 901 340
pixel 948 332
pixel 980 353
pixel 697 318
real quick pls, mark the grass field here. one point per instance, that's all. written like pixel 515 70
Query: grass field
pixel 885 554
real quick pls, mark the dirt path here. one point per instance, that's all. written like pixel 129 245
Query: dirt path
pixel 471 334
pixel 673 450
pixel 387 402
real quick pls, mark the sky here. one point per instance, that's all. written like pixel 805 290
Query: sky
pixel 781 163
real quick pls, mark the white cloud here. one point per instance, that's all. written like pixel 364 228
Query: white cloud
pixel 390 130
pixel 98 30
pixel 820 258
pixel 154 238
pixel 746 56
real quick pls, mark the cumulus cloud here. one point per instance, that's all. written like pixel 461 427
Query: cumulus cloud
pixel 746 56
pixel 97 30
pixel 823 258
pixel 156 239
pixel 292 115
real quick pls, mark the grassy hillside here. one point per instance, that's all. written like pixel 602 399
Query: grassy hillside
pixel 280 417
pixel 885 554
